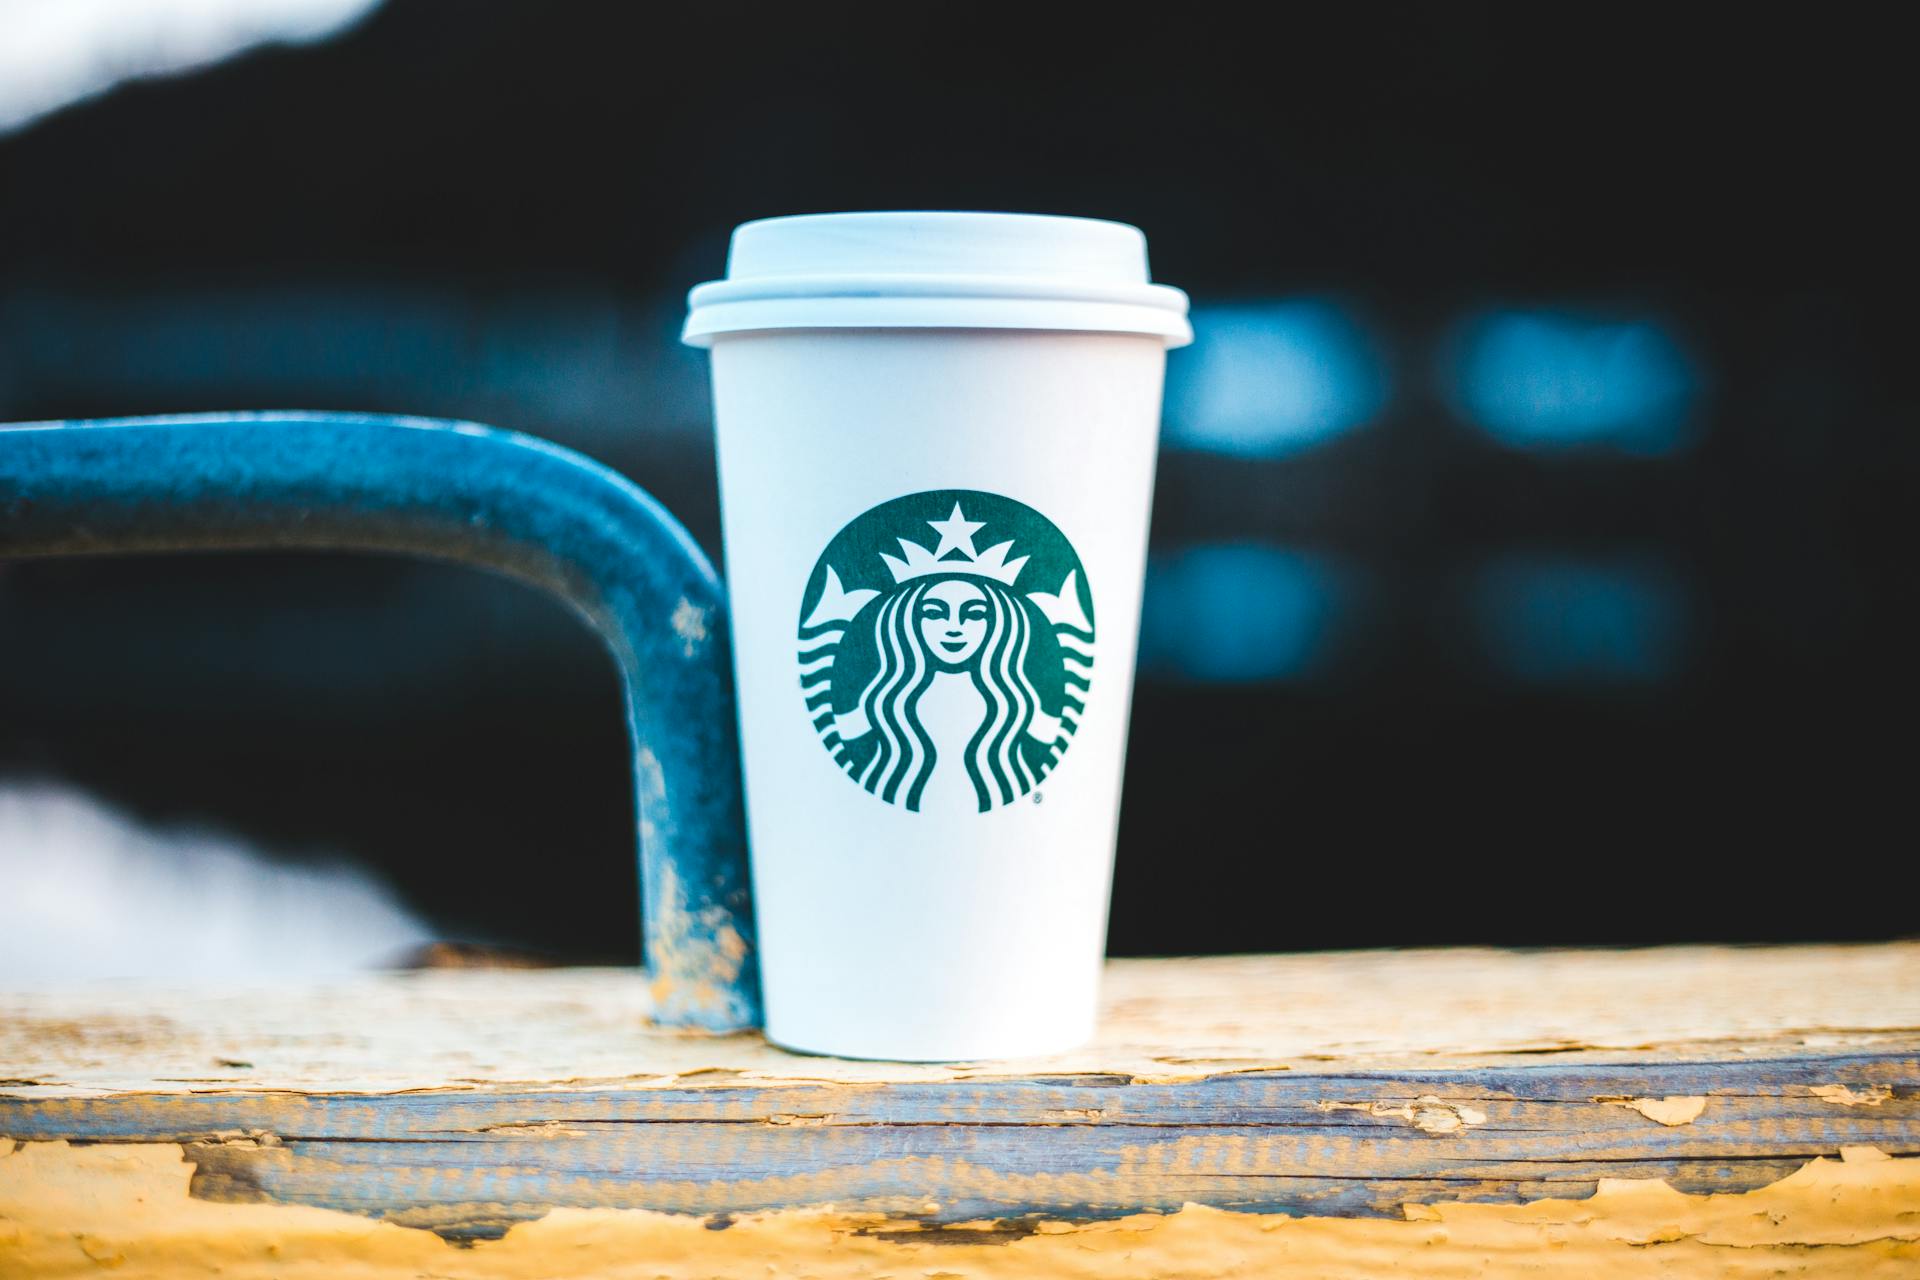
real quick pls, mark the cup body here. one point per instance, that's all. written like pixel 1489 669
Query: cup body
pixel 935 542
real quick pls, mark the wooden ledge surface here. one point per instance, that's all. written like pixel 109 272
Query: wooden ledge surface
pixel 1397 1087
pixel 1163 1021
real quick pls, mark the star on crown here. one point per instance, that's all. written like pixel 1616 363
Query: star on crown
pixel 955 553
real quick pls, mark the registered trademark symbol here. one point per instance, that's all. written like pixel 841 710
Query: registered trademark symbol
pixel 1037 797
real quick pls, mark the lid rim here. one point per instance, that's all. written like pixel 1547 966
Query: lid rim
pixel 929 285
pixel 762 315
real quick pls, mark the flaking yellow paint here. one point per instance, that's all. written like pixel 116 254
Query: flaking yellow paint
pixel 78 1211
pixel 1670 1111
pixel 1870 1096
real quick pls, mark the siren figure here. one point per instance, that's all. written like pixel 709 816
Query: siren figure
pixel 951 714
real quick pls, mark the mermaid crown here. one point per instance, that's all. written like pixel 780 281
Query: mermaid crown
pixel 955 554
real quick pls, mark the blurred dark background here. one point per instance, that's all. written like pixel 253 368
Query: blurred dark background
pixel 1535 476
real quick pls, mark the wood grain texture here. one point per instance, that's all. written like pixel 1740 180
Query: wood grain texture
pixel 1336 1087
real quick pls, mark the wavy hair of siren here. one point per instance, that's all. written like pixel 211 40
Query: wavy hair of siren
pixel 994 761
pixel 904 755
pixel 891 701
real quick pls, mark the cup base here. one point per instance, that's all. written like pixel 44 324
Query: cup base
pixel 878 1050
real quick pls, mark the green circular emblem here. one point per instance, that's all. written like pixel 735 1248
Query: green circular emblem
pixel 946 649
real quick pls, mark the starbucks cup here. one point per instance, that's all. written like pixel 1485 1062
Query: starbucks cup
pixel 937 436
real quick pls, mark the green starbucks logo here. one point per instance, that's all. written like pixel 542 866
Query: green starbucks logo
pixel 941 676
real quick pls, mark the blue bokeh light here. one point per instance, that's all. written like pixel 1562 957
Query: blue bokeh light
pixel 1272 379
pixel 1554 619
pixel 1237 613
pixel 1555 379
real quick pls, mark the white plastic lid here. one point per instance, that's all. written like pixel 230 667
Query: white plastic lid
pixel 937 271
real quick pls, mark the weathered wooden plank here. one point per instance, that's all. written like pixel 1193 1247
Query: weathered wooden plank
pixel 1806 1083
pixel 1349 1144
pixel 1333 1088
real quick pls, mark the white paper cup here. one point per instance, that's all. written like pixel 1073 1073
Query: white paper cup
pixel 937 435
